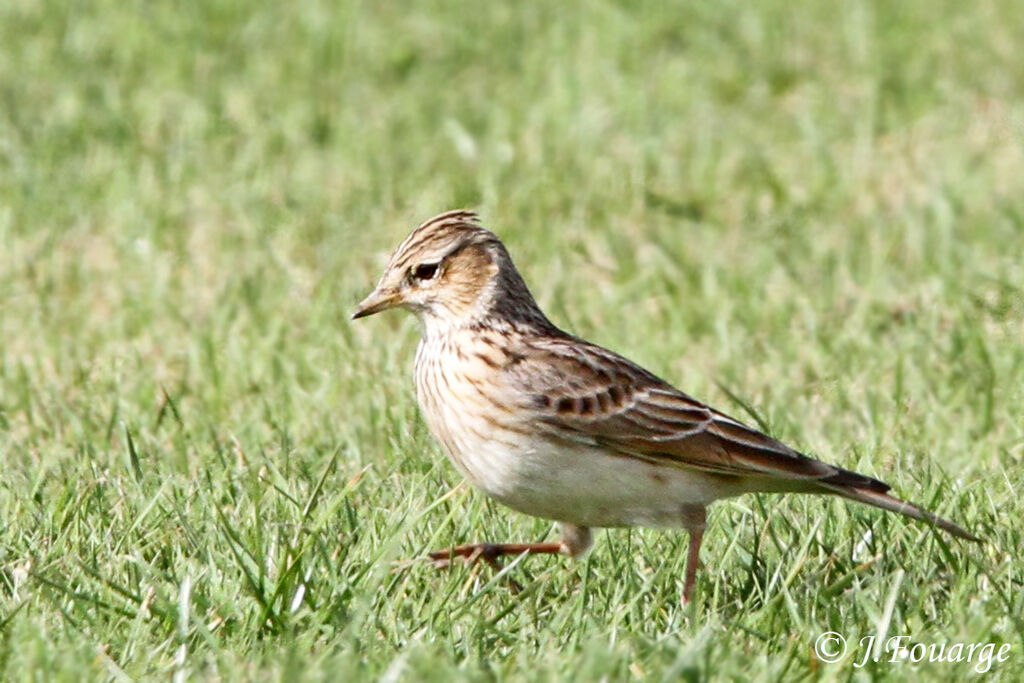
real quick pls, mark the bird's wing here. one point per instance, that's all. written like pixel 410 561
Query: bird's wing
pixel 582 392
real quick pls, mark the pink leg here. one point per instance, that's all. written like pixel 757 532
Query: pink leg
pixel 490 552
pixel 575 541
pixel 695 521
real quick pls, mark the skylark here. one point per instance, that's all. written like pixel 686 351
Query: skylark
pixel 555 427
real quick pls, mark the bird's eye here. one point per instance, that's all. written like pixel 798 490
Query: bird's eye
pixel 425 271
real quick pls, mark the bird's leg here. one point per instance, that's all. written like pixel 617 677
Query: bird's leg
pixel 695 521
pixel 575 541
pixel 490 552
pixel 471 553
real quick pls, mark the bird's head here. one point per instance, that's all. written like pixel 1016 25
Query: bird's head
pixel 450 272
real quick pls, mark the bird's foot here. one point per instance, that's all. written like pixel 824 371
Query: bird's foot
pixel 489 552
pixel 472 553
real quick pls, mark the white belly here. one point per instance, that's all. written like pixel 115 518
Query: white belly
pixel 587 487
pixel 570 482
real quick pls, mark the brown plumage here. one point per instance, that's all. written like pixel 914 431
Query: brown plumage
pixel 556 427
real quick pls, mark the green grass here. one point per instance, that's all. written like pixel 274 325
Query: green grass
pixel 209 471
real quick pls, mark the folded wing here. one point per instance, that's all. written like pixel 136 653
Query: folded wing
pixel 581 392
pixel 590 394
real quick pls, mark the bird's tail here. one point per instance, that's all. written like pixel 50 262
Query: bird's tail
pixel 878 497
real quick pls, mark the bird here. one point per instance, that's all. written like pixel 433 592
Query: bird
pixel 556 427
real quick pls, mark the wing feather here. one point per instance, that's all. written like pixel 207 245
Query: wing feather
pixel 588 394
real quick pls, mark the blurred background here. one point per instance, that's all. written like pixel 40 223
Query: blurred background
pixel 817 206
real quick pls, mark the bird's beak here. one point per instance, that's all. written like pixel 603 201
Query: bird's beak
pixel 379 300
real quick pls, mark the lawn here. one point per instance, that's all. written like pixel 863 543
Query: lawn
pixel 808 214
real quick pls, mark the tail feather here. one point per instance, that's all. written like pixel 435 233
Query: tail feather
pixel 881 499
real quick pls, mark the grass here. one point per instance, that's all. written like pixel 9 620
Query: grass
pixel 209 472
